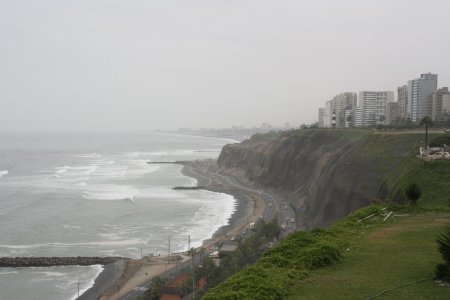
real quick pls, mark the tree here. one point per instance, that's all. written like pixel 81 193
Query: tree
pixel 443 269
pixel 155 289
pixel 427 122
pixel 413 192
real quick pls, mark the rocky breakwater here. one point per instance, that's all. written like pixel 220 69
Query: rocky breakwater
pixel 324 174
pixel 56 261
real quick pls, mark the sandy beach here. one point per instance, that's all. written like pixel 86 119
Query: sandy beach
pixel 118 280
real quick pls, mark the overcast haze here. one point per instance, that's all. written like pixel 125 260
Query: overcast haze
pixel 167 64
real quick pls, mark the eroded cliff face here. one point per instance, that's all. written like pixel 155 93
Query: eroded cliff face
pixel 324 174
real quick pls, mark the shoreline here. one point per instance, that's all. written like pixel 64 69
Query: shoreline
pixel 246 206
pixel 135 272
pixel 110 274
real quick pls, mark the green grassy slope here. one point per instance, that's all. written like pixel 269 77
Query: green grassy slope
pixel 433 178
pixel 400 252
pixel 351 260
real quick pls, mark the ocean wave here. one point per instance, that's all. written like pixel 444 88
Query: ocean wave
pixel 210 216
pixel 89 155
pixel 160 193
pixel 110 192
pixel 51 273
pixel 8 273
pixel 162 153
pixel 76 227
pixel 3 173
pixel 109 243
pixel 86 285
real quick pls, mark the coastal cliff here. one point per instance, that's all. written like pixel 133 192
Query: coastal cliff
pixel 324 174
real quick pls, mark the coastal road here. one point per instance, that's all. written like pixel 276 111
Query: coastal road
pixel 166 275
pixel 274 206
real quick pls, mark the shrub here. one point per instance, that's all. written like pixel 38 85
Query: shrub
pixel 443 269
pixel 440 140
pixel 413 193
pixel 320 255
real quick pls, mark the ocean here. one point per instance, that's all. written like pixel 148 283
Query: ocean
pixel 94 194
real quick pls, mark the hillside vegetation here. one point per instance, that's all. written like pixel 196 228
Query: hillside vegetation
pixel 354 259
pixel 364 253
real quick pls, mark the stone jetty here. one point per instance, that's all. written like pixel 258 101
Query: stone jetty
pixel 56 261
pixel 189 188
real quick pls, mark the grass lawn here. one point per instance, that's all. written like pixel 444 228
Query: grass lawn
pixel 381 258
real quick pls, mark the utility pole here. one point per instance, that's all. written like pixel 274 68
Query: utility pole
pixel 193 274
pixel 168 257
pixel 78 290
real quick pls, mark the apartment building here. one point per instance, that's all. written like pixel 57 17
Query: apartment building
pixel 419 90
pixel 374 106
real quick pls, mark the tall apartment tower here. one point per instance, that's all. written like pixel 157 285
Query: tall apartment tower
pixel 440 104
pixel 321 117
pixel 341 103
pixel 327 115
pixel 418 91
pixel 392 115
pixel 357 116
pixel 374 106
pixel 402 102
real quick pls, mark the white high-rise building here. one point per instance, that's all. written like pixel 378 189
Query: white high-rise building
pixel 440 101
pixel 321 117
pixel 340 103
pixel 357 116
pixel 327 115
pixel 374 106
pixel 419 90
pixel 402 102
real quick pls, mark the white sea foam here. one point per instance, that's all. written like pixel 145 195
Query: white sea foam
pixel 192 181
pixel 160 193
pixel 8 273
pixel 89 155
pixel 76 227
pixel 73 174
pixel 51 274
pixel 162 153
pixel 97 270
pixel 110 192
pixel 214 213
pixel 3 173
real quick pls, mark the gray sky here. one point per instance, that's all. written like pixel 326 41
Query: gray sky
pixel 143 64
